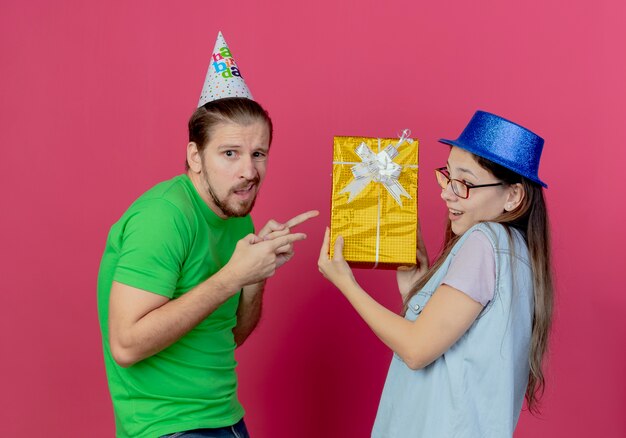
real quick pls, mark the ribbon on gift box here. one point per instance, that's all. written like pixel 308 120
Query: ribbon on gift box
pixel 378 168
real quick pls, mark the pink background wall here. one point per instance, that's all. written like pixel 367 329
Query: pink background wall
pixel 95 99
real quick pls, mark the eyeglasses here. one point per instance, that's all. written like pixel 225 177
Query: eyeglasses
pixel 458 187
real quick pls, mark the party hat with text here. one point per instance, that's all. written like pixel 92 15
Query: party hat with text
pixel 223 79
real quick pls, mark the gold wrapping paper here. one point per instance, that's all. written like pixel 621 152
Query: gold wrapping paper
pixel 377 231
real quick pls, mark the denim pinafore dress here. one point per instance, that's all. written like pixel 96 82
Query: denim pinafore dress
pixel 476 388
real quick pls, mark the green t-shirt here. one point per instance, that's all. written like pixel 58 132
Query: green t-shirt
pixel 167 242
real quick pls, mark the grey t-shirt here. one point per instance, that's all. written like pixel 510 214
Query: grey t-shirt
pixel 473 269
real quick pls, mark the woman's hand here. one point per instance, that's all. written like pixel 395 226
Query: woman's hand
pixel 408 276
pixel 336 270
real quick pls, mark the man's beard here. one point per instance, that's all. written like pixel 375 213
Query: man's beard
pixel 225 208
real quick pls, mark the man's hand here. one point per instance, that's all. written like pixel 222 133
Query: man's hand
pixel 254 259
pixel 274 229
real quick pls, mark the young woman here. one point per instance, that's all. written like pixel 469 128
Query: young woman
pixel 474 329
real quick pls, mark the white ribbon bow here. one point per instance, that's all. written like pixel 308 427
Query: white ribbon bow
pixel 379 168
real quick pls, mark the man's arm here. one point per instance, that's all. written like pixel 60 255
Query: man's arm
pixel 251 301
pixel 249 311
pixel 142 323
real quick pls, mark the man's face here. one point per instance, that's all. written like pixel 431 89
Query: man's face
pixel 233 166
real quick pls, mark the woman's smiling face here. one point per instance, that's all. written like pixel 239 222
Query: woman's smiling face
pixel 483 203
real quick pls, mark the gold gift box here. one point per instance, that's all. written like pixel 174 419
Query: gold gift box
pixel 378 231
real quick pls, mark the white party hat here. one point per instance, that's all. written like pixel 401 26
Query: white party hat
pixel 223 79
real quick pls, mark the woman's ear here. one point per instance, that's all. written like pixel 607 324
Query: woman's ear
pixel 193 157
pixel 515 197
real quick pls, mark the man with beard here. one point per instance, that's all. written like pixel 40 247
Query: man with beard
pixel 181 279
pixel 182 276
